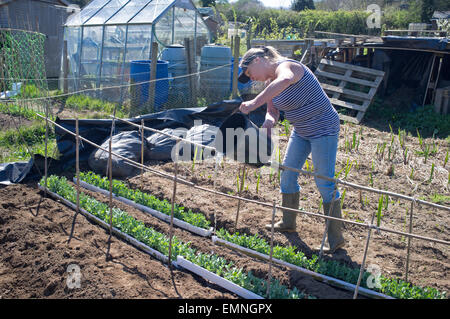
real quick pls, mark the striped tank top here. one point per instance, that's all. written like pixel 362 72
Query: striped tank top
pixel 307 107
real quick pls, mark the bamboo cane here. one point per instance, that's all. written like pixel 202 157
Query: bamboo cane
pixel 361 270
pixel 173 204
pixel 271 249
pixel 240 192
pixel 409 241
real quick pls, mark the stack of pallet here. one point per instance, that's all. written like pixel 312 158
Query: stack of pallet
pixel 349 86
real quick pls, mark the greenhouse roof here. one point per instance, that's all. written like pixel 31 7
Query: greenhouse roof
pixel 115 12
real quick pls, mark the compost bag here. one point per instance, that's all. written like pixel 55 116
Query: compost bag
pixel 126 144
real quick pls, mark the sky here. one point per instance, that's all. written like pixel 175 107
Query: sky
pixel 273 3
pixel 276 3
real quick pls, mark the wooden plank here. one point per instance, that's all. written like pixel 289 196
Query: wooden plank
pixel 339 89
pixel 352 67
pixel 345 78
pixel 348 118
pixel 348 105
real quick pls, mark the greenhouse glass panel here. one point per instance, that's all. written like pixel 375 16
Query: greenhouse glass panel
pixel 184 24
pixel 106 12
pixel 163 29
pixel 87 12
pixel 151 12
pixel 112 62
pixel 128 11
pixel 90 56
pixel 138 45
pixel 73 37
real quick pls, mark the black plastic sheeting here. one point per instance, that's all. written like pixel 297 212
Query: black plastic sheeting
pixel 12 173
pixel 419 43
pixel 99 131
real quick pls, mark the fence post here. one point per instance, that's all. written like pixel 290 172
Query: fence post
pixel 235 66
pixel 152 83
pixel 190 62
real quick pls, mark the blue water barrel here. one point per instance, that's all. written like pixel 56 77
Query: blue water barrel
pixel 215 83
pixel 140 73
pixel 241 86
pixel 178 83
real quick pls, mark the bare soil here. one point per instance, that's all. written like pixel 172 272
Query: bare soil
pixel 34 231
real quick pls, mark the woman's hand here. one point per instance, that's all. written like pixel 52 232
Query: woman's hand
pixel 247 106
pixel 268 125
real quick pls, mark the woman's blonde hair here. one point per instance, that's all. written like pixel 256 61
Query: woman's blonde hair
pixel 267 52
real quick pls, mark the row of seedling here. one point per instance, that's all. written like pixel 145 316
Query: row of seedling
pixel 396 288
pixel 127 224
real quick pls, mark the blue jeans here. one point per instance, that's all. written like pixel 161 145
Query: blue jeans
pixel 323 151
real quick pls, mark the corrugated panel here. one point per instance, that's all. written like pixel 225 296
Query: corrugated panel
pixel 4 23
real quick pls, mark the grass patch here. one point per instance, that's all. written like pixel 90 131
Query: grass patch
pixel 422 119
pixel 28 135
pixel 17 145
pixel 437 199
pixel 83 102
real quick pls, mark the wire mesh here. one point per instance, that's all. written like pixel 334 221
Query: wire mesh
pixel 22 68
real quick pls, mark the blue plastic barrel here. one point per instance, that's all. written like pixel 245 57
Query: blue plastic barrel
pixel 215 72
pixel 178 83
pixel 241 86
pixel 140 73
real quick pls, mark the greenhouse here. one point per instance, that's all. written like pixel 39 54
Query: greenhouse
pixel 105 38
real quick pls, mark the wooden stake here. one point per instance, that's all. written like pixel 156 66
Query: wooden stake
pixel 271 249
pixel 77 169
pixel 409 241
pixel 173 204
pixel 77 163
pixel 108 256
pixel 190 64
pixel 235 66
pixel 361 270
pixel 142 153
pixel 152 84
pixel 46 149
pixel 240 192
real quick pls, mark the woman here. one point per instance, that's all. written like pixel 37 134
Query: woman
pixel 293 88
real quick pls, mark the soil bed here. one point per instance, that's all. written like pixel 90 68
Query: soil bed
pixel 34 231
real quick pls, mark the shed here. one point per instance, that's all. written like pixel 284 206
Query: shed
pixel 107 35
pixel 44 16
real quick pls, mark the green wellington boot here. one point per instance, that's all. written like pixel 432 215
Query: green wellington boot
pixel 288 223
pixel 335 238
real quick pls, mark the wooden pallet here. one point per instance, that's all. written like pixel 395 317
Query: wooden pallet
pixel 349 86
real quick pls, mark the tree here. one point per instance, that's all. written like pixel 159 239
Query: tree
pixel 208 3
pixel 427 10
pixel 80 3
pixel 300 5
